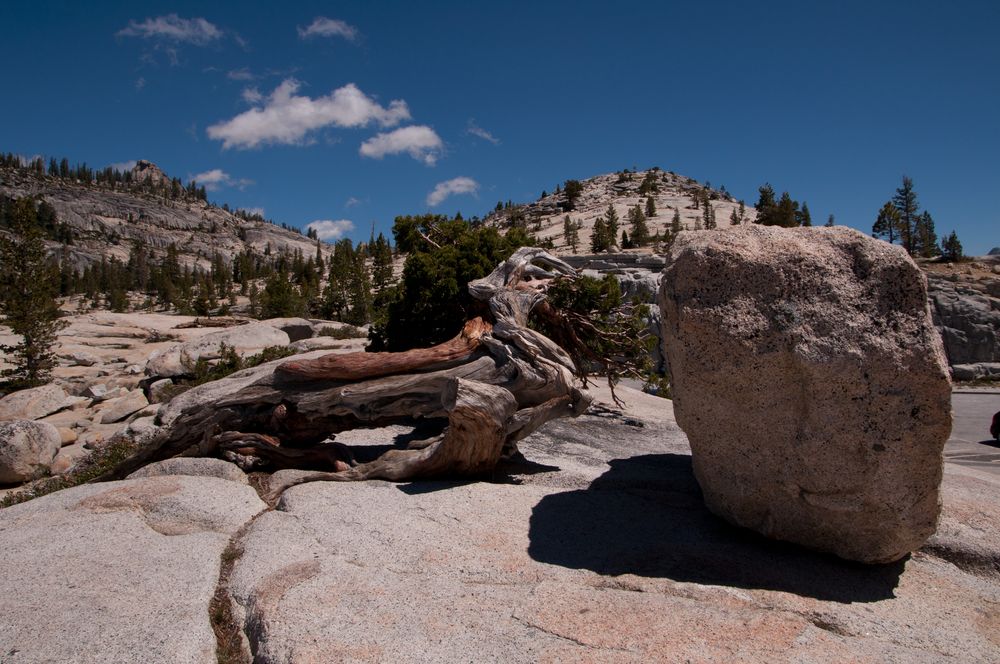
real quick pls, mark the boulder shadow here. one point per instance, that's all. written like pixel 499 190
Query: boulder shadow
pixel 646 517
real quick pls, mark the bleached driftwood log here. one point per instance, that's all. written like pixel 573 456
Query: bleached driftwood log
pixel 479 393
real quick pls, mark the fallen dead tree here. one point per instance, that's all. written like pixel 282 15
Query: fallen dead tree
pixel 473 397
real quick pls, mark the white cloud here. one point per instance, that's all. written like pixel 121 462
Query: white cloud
pixel 328 27
pixel 327 229
pixel 286 118
pixel 140 83
pixel 123 165
pixel 476 130
pixel 243 74
pixel 418 141
pixel 216 178
pixel 173 28
pixel 252 95
pixel 352 202
pixel 453 187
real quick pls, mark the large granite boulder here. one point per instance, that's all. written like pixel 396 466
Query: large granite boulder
pixel 32 403
pixel 26 449
pixel 179 360
pixel 812 385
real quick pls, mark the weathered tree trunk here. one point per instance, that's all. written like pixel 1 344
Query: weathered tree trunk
pixel 487 388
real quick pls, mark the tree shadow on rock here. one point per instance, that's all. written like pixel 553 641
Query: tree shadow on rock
pixel 646 517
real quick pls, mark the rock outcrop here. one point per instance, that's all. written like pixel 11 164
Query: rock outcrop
pixel 599 548
pixel 812 385
pixel 32 403
pixel 26 449
pixel 968 316
pixel 117 572
pixel 179 359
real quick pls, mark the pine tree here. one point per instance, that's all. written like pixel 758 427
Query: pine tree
pixel 951 248
pixel 381 264
pixel 766 206
pixel 28 288
pixel 280 298
pixel 599 236
pixel 927 243
pixel 611 219
pixel 743 212
pixel 708 215
pixel 640 231
pixel 804 218
pixel 572 190
pixel 570 233
pixel 650 207
pixel 905 201
pixel 675 223
pixel 829 221
pixel 887 224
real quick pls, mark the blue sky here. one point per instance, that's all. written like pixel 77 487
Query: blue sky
pixel 359 111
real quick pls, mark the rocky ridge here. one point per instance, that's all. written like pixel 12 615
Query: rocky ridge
pixel 544 217
pixel 105 222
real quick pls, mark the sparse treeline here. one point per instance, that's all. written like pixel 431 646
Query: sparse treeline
pixel 901 220
pixel 346 286
pixel 108 177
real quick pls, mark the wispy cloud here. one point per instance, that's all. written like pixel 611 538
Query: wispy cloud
pixel 243 74
pixel 476 130
pixel 353 202
pixel 140 83
pixel 419 141
pixel 328 27
pixel 217 178
pixel 286 118
pixel 252 95
pixel 123 165
pixel 173 28
pixel 327 229
pixel 453 187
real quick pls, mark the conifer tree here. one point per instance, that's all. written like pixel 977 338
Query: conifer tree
pixel 829 221
pixel 734 218
pixel 572 190
pixel 708 215
pixel 926 240
pixel 765 205
pixel 570 233
pixel 599 236
pixel 804 218
pixel 905 201
pixel 650 207
pixel 640 231
pixel 887 224
pixel 675 223
pixel 29 285
pixel 951 248
pixel 611 219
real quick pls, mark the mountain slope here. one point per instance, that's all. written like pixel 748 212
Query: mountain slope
pixel 624 191
pixel 106 222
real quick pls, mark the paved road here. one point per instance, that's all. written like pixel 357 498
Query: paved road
pixel 970 443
